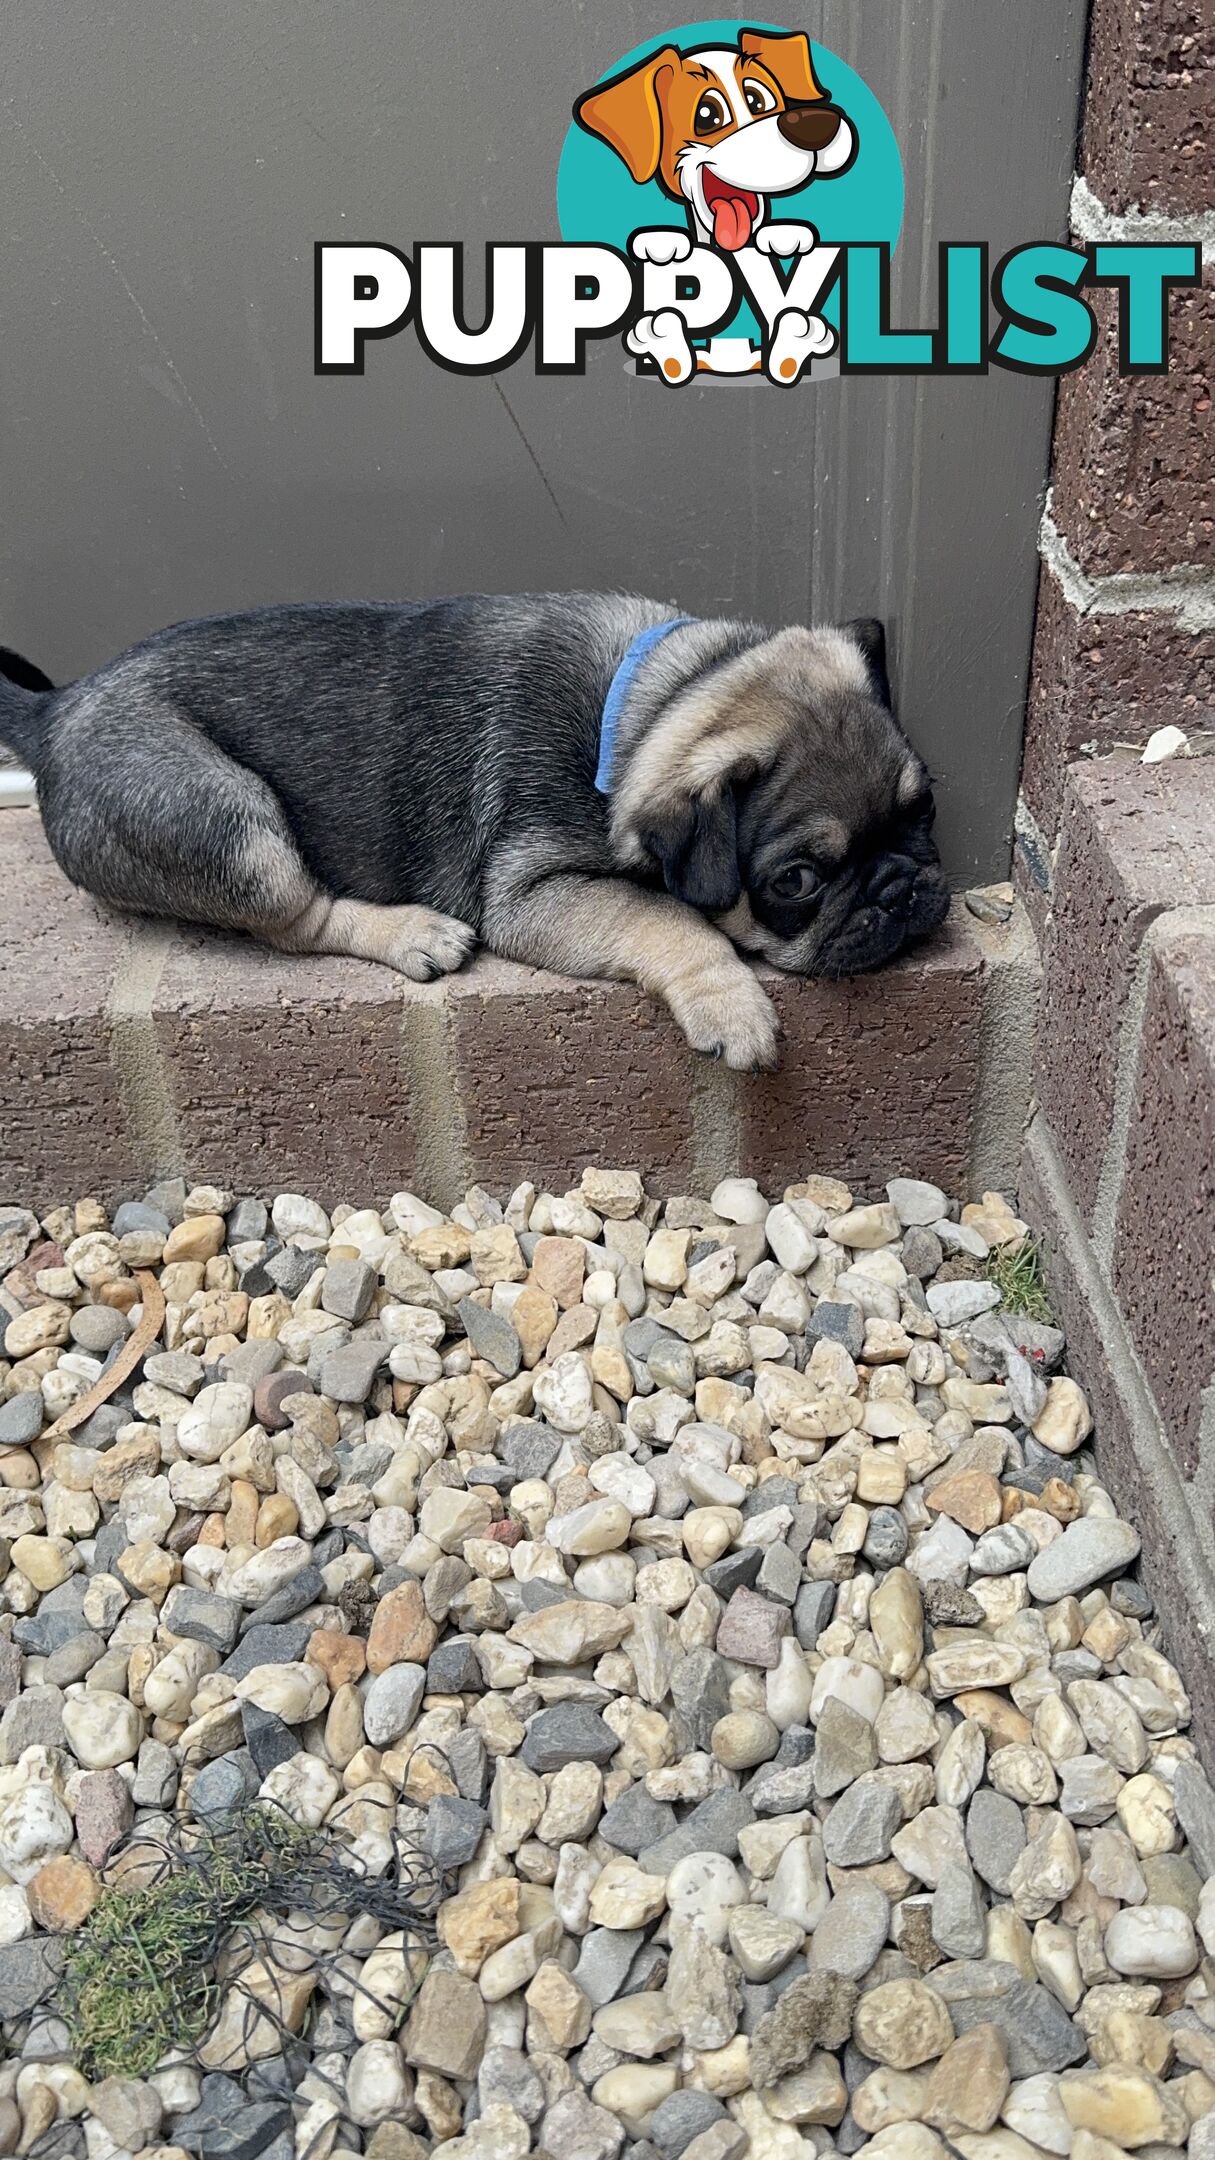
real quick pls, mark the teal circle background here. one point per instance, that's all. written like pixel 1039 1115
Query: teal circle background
pixel 599 201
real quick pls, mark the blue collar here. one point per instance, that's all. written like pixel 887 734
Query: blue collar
pixel 619 687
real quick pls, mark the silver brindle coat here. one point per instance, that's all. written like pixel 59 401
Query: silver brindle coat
pixel 401 782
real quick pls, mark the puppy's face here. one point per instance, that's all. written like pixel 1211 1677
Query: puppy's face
pixel 784 799
pixel 723 128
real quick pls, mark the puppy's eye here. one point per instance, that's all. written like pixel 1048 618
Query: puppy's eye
pixel 798 882
pixel 759 98
pixel 711 114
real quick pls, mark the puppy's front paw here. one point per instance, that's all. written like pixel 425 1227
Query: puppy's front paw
pixel 797 340
pixel 430 944
pixel 723 1011
pixel 786 239
pixel 662 245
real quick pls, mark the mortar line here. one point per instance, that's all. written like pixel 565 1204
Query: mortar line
pixel 715 1123
pixel 1193 1552
pixel 1185 591
pixel 1091 219
pixel 1010 985
pixel 1113 1162
pixel 436 1113
pixel 135 1052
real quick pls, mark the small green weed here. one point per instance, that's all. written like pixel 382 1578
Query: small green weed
pixel 1017 1274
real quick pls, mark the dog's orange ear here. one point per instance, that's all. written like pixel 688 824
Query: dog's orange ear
pixel 787 58
pixel 627 112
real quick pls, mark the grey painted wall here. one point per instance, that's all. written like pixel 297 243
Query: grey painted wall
pixel 167 450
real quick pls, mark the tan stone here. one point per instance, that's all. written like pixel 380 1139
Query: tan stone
pixel 198 1238
pixel 561 2009
pixel 971 1498
pixel 969 2085
pixel 1003 1723
pixel 1127 2106
pixel 266 1997
pixel 559 1267
pixel 62 1894
pixel 342 1658
pixel 402 1631
pixel 480 1920
pixel 149 1569
pixel 44 1561
pixel 533 1317
pixel 276 1517
pixel 902 2023
pixel 896 1618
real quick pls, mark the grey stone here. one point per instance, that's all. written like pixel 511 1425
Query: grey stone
pixel 252 1361
pixel 837 1322
pixel 289 1269
pixel 453 1668
pixel 454 1829
pixel 886 1539
pixel 1037 2030
pixel 307 1587
pixel 672 1364
pixel 226 2125
pixel 814 2011
pixel 1131 1599
pixel 812 1610
pixel 569 1732
pixel 783 1790
pixel 11 1662
pixel 348 1289
pixel 391 1703
pixel 852 1931
pixel 604 1958
pixel 635 1821
pixel 574 2127
pixel 860 1826
pixel 468 1761
pixel 779 1575
pixel 156 1776
pixel 773 1492
pixel 96 1328
pixel 529 1448
pixel 269 1741
pixel 491 1337
pixel 922 1253
pixel 178 1370
pixel 280 1644
pixel 33 1719
pixel 223 1786
pixel 1092 1547
pixel 348 1373
pixel 1195 1804
pixel 845 1748
pixel 73 1659
pixel 951 1303
pixel 204 1616
pixel 946 1605
pixel 700 1691
pixel 959 1918
pixel 507 2079
pixel 734 1571
pixel 135 1217
pixel 681 2117
pixel 247 1222
pixel 995 1837
pixel 21 1418
pixel 712 1826
pixel 29 1972
pixel 915 1201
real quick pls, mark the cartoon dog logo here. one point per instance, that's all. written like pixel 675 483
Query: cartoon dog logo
pixel 724 129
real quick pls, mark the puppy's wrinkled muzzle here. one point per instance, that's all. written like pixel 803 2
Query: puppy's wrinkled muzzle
pixel 810 127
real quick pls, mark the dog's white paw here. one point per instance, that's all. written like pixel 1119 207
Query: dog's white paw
pixel 797 339
pixel 723 1011
pixel 429 944
pixel 785 239
pixel 662 245
pixel 663 338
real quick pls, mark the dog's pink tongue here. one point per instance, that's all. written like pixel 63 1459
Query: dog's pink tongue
pixel 731 223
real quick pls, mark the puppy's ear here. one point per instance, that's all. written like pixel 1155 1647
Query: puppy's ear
pixel 627 112
pixel 697 844
pixel 869 635
pixel 787 58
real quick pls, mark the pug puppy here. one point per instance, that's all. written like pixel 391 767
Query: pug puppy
pixel 585 782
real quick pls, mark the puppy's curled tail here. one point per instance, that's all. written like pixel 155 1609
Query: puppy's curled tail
pixel 24 690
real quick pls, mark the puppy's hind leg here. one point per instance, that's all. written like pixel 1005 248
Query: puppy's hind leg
pixel 182 829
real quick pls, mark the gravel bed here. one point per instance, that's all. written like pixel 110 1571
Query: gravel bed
pixel 720 1595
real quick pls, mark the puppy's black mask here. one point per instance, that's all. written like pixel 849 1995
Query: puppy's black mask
pixel 816 850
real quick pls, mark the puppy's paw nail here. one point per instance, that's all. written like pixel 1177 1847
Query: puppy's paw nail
pixel 431 944
pixel 726 1014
